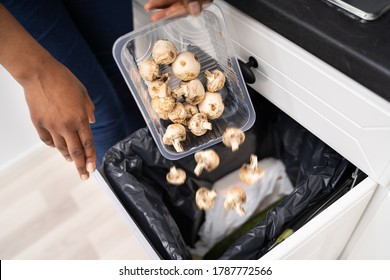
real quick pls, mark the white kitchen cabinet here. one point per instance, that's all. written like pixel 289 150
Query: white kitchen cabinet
pixel 348 117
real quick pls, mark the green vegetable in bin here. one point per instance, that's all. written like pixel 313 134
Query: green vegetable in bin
pixel 219 249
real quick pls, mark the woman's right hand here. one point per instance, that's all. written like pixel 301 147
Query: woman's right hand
pixel 61 112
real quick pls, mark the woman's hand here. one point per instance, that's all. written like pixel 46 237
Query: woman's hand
pixel 61 111
pixel 173 7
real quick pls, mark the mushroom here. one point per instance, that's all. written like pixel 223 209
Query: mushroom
pixel 164 52
pixel 174 134
pixel 250 173
pixel 199 125
pixel 207 159
pixel 205 198
pixel 192 91
pixel 178 114
pixel 190 110
pixel 186 66
pixel 215 80
pixel 163 116
pixel 176 176
pixel 149 70
pixel 160 87
pixel 235 198
pixel 233 138
pixel 212 105
pixel 163 104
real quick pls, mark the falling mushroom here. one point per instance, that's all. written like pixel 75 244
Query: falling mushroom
pixel 215 80
pixel 149 70
pixel 250 173
pixel 212 105
pixel 176 176
pixel 205 198
pixel 164 52
pixel 235 198
pixel 233 138
pixel 174 134
pixel 199 124
pixel 207 159
pixel 186 66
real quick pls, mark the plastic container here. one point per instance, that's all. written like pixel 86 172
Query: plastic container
pixel 207 37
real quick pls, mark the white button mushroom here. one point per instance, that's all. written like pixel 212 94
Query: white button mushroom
pixel 233 138
pixel 192 91
pixel 163 104
pixel 199 124
pixel 190 110
pixel 164 52
pixel 250 173
pixel 215 80
pixel 186 66
pixel 149 70
pixel 212 105
pixel 176 176
pixel 205 198
pixel 174 134
pixel 178 114
pixel 207 159
pixel 160 87
pixel 235 198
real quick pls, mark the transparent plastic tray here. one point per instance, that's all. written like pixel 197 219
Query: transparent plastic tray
pixel 207 37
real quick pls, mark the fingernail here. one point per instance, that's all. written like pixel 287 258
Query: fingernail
pixel 84 176
pixel 194 8
pixel 69 159
pixel 147 7
pixel 90 167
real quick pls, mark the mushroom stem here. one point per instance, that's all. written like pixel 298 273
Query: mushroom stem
pixel 176 144
pixel 235 145
pixel 239 209
pixel 253 162
pixel 199 168
pixel 174 171
pixel 207 125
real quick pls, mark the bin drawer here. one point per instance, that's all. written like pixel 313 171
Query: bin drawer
pixel 318 97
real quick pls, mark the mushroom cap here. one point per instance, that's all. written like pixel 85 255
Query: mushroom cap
pixel 164 52
pixel 235 198
pixel 186 66
pixel 205 198
pixel 209 158
pixel 149 70
pixel 163 104
pixel 199 124
pixel 212 105
pixel 158 88
pixel 178 114
pixel 233 138
pixel 176 176
pixel 195 92
pixel 215 80
pixel 250 173
pixel 190 110
pixel 174 131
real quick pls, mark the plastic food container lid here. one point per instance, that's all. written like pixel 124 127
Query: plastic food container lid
pixel 207 37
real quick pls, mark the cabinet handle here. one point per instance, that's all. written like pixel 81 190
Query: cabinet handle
pixel 247 73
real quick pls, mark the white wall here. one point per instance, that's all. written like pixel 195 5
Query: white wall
pixel 18 136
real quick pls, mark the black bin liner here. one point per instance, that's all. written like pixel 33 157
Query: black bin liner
pixel 167 215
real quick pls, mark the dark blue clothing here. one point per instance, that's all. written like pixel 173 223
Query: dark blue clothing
pixel 80 34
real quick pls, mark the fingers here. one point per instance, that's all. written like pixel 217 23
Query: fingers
pixel 158 4
pixel 176 9
pixel 45 136
pixel 193 7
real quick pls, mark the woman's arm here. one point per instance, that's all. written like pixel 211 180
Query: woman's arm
pixel 59 105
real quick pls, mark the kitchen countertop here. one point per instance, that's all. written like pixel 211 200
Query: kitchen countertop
pixel 359 49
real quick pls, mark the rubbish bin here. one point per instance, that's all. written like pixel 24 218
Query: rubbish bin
pixel 167 214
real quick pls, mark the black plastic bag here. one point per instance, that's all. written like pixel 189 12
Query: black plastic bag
pixel 168 216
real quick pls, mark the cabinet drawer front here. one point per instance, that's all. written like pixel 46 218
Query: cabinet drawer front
pixel 344 114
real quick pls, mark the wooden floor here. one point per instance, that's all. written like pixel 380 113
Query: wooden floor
pixel 47 212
